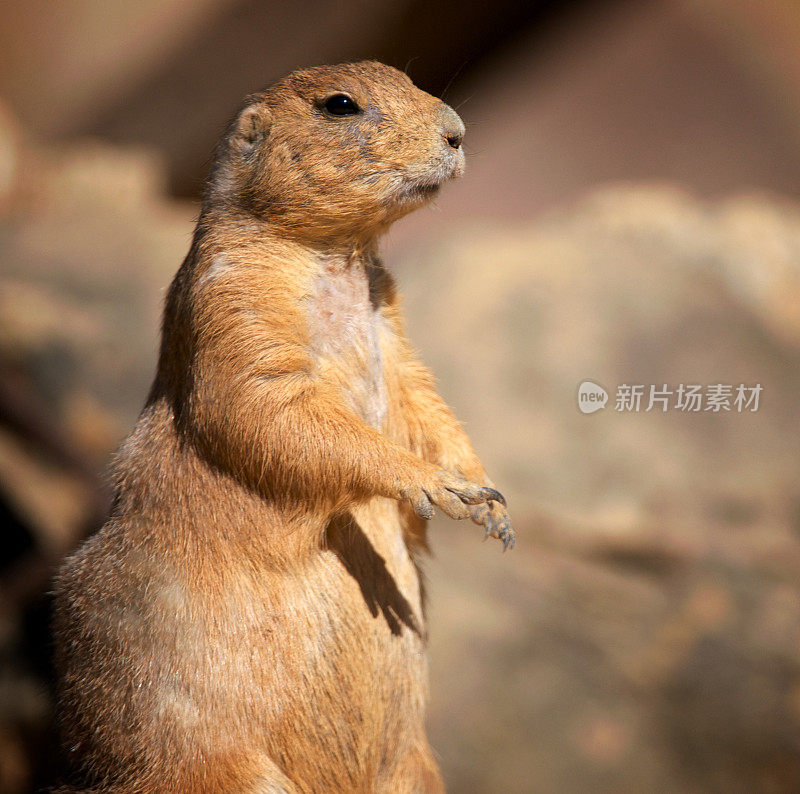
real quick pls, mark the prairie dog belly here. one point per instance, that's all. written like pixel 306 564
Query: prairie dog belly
pixel 342 636
pixel 373 668
pixel 345 332
pixel 345 638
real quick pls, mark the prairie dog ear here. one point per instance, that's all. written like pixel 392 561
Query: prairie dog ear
pixel 252 125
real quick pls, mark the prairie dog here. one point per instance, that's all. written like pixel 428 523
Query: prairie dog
pixel 250 618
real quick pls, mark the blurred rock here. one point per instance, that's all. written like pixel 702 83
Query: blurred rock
pixel 9 155
pixel 89 247
pixel 645 633
pixel 88 244
pixel 632 285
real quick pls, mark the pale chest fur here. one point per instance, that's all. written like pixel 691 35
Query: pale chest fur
pixel 347 335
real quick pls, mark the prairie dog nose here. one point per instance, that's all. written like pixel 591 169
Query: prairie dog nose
pixel 452 128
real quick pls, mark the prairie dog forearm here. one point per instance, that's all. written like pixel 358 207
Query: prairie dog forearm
pixel 305 444
pixel 434 431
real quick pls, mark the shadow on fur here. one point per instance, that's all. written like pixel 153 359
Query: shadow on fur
pixel 381 594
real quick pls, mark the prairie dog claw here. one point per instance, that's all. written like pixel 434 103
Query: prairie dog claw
pixel 454 495
pixel 495 520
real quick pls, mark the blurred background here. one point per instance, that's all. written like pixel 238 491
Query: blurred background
pixel 629 215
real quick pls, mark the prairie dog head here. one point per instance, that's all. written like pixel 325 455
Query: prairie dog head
pixel 338 152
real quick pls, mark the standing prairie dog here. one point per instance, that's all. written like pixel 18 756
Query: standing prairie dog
pixel 249 619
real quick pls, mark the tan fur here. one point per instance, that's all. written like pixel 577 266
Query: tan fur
pixel 250 618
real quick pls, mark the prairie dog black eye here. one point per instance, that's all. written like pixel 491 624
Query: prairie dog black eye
pixel 341 105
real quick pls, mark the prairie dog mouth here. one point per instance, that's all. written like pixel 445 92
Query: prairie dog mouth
pixel 416 191
pixel 429 188
pixel 426 183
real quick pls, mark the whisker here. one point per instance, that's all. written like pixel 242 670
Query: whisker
pixel 450 81
pixel 409 62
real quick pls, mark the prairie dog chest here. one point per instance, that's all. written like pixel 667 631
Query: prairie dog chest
pixel 346 330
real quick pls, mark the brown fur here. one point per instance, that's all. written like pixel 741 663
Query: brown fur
pixel 250 617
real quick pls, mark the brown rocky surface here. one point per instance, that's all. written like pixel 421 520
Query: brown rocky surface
pixel 88 243
pixel 645 633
